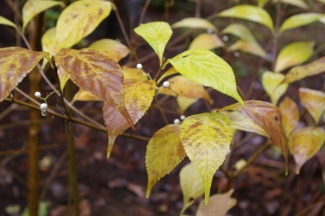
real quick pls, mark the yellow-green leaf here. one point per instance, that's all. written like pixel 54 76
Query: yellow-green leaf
pixel 305 143
pixel 268 117
pixel 300 72
pixel 157 34
pixel 206 138
pixel 15 64
pixel 138 97
pixel 240 31
pixel 169 72
pixel 192 185
pixel 32 8
pixel 290 114
pixel 184 103
pixel 299 20
pixel 251 13
pixel 314 101
pixel 48 41
pixel 248 47
pixel 194 22
pixel 181 86
pixel 113 48
pixel 261 3
pixel 240 122
pixel 219 205
pixel 293 54
pixel 206 41
pixel 5 21
pixel 164 153
pixel 297 3
pixel 97 73
pixel 274 86
pixel 204 67
pixel 78 20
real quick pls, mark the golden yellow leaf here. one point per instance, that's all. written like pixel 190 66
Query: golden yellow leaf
pixel 314 101
pixel 83 95
pixel 206 138
pixel 290 114
pixel 274 86
pixel 78 20
pixel 48 41
pixel 185 102
pixel 304 144
pixel 169 72
pixel 133 74
pixel 138 97
pixel 206 41
pixel 15 64
pixel 269 118
pixel 248 47
pixel 164 152
pixel 113 48
pixel 181 86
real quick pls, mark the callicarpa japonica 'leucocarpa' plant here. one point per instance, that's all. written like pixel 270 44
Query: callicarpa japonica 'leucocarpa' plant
pixel 127 93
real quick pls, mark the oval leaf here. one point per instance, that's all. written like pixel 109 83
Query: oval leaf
pixel 219 205
pixel 269 118
pixel 164 153
pixel 194 22
pixel 305 143
pixel 206 139
pixel 83 95
pixel 206 41
pixel 299 20
pixel 274 86
pixel 290 114
pixel 78 20
pixel 184 103
pixel 113 48
pixel 297 3
pixel 5 21
pixel 32 8
pixel 48 41
pixel 314 101
pixel 204 67
pixel 15 64
pixel 240 31
pixel 293 54
pixel 248 47
pixel 300 72
pixel 192 185
pixel 261 3
pixel 181 86
pixel 249 12
pixel 157 34
pixel 138 97
pixel 97 73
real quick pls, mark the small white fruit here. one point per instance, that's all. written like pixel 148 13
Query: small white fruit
pixel 177 121
pixel 37 94
pixel 166 84
pixel 182 117
pixel 139 66
pixel 43 107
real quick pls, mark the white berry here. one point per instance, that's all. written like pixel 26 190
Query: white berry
pixel 210 30
pixel 225 38
pixel 177 121
pixel 166 84
pixel 236 54
pixel 182 117
pixel 37 94
pixel 139 66
pixel 43 107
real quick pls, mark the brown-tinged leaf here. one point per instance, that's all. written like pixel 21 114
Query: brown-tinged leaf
pixel 206 41
pixel 15 64
pixel 181 86
pixel 97 73
pixel 300 72
pixel 164 153
pixel 305 143
pixel 219 205
pixel 192 185
pixel 269 118
pixel 314 101
pixel 138 98
pixel 206 138
pixel 83 95
pixel 113 48
pixel 78 20
pixel 290 114
pixel 273 85
pixel 32 8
